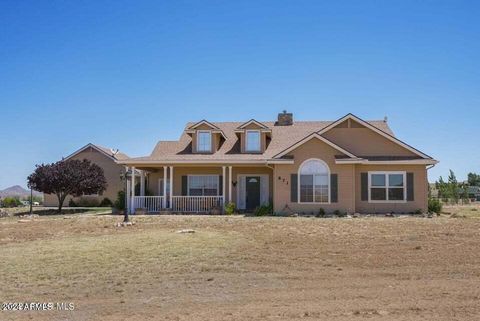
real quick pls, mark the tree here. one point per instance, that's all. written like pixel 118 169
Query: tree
pixel 68 177
pixel 453 187
pixel 473 179
pixel 443 190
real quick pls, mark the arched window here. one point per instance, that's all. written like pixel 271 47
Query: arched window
pixel 314 182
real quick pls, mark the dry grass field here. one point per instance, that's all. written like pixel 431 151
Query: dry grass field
pixel 242 268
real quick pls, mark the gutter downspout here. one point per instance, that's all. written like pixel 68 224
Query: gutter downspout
pixel 273 183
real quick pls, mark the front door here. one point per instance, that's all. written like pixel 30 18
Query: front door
pixel 253 192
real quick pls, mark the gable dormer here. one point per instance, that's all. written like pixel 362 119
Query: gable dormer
pixel 254 137
pixel 206 137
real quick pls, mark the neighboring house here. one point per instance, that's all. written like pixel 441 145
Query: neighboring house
pixel 350 165
pixel 106 158
pixel 474 193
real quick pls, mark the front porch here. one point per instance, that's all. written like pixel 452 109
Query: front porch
pixel 198 189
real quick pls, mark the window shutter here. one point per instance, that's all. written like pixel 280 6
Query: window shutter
pixel 334 188
pixel 294 188
pixel 364 186
pixel 410 190
pixel 184 185
pixel 220 185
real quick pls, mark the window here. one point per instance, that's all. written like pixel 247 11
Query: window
pixel 253 141
pixel 386 186
pixel 160 186
pixel 314 176
pixel 203 185
pixel 204 141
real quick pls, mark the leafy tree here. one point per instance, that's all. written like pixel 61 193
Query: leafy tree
pixel 68 177
pixel 453 187
pixel 473 179
pixel 11 202
pixel 443 190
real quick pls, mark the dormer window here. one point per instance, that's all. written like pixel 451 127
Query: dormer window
pixel 252 143
pixel 204 141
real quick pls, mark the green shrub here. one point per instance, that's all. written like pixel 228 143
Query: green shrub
pixel 264 210
pixel 11 202
pixel 434 206
pixel 337 213
pixel 87 202
pixel 120 201
pixel 418 212
pixel 72 203
pixel 321 212
pixel 106 202
pixel 230 208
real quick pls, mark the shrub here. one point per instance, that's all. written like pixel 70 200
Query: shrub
pixel 418 212
pixel 106 202
pixel 87 202
pixel 337 213
pixel 72 203
pixel 264 210
pixel 11 202
pixel 120 201
pixel 230 208
pixel 321 212
pixel 434 206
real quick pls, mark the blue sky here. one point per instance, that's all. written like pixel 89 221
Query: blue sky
pixel 126 74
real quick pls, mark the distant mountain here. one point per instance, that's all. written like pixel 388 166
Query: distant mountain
pixel 19 191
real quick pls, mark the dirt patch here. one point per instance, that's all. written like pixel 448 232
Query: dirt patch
pixel 237 268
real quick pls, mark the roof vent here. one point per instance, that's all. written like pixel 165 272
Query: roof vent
pixel 385 119
pixel 285 119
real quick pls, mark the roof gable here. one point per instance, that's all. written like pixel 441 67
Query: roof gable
pixel 203 122
pixel 110 153
pixel 254 123
pixel 310 137
pixel 358 120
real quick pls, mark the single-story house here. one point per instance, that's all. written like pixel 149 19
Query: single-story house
pixel 350 165
pixel 107 159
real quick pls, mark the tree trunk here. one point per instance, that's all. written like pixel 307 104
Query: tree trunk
pixel 61 199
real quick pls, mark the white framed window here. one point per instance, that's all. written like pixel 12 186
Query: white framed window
pixel 314 182
pixel 203 185
pixel 387 186
pixel 204 141
pixel 252 143
pixel 160 186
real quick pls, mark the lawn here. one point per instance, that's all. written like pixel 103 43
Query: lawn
pixel 242 268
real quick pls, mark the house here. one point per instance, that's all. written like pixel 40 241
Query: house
pixel 107 159
pixel 350 165
pixel 474 193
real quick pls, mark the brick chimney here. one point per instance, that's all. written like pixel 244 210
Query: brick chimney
pixel 285 119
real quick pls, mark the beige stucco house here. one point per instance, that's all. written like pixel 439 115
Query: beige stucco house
pixel 107 159
pixel 350 165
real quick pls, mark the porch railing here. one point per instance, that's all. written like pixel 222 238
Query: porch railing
pixel 149 203
pixel 196 204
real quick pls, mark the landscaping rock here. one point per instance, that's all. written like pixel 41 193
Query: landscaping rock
pixel 186 231
pixel 3 213
pixel 124 224
pixel 356 215
pixel 389 215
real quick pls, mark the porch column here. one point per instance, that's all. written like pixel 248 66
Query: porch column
pixel 165 186
pixel 142 183
pixel 127 192
pixel 223 184
pixel 132 202
pixel 229 183
pixel 171 186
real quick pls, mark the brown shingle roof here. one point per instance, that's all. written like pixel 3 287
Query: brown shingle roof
pixel 282 137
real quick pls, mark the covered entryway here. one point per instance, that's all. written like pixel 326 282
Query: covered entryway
pixel 252 192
